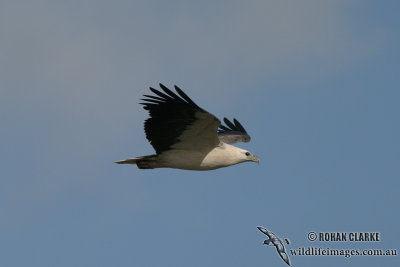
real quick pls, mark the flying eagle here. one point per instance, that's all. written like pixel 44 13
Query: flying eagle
pixel 187 137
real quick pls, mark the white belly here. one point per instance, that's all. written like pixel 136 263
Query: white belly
pixel 197 160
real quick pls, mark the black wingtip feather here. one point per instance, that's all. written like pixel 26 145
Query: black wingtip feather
pixel 239 126
pixel 229 124
pixel 166 97
pixel 172 94
pixel 154 97
pixel 235 126
pixel 184 96
pixel 152 101
pixel 224 128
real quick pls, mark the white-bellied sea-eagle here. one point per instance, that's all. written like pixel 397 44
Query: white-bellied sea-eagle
pixel 187 137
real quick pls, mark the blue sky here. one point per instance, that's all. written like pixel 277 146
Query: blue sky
pixel 315 83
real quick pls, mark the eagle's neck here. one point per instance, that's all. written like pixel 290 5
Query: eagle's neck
pixel 222 156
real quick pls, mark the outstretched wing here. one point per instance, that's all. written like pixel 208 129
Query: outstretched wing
pixel 265 231
pixel 232 132
pixel 177 122
pixel 284 257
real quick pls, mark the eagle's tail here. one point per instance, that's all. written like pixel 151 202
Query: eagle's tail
pixel 145 162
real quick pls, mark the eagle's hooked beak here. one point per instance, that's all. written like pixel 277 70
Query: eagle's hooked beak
pixel 255 159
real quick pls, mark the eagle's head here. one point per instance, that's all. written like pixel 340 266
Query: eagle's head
pixel 248 156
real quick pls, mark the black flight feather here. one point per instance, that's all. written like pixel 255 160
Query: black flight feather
pixel 230 127
pixel 170 115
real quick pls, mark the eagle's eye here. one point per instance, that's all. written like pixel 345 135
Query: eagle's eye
pixel 247 153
